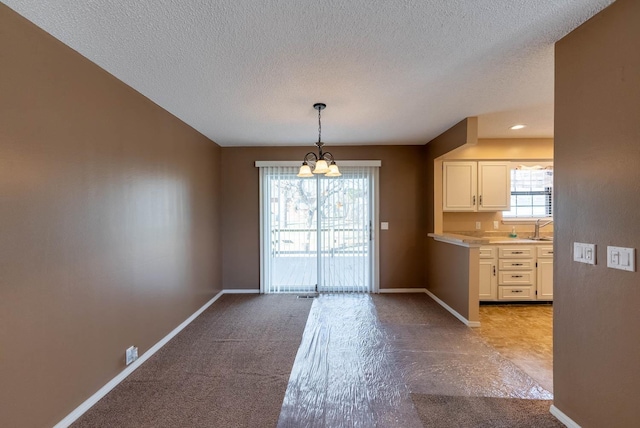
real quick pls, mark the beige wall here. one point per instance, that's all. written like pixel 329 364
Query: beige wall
pixel 109 225
pixel 597 158
pixel 401 204
pixel 505 149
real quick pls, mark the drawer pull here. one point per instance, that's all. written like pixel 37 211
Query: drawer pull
pixel 517 252
pixel 517 264
pixel 516 291
pixel 516 276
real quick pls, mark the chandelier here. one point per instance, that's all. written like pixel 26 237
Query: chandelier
pixel 323 162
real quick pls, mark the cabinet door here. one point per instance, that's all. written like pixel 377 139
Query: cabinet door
pixel 459 186
pixel 488 280
pixel 494 186
pixel 545 279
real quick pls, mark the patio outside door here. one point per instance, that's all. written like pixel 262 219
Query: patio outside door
pixel 317 233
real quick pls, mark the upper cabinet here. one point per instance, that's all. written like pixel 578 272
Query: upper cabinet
pixel 476 186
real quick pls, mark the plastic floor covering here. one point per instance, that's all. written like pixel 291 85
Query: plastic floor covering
pixel 362 356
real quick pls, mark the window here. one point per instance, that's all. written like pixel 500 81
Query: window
pixel 531 192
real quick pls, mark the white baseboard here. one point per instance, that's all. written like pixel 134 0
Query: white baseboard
pixel 453 311
pixel 88 403
pixel 240 291
pixel 401 290
pixel 563 418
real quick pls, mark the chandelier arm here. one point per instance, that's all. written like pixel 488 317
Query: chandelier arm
pixel 327 156
pixel 310 157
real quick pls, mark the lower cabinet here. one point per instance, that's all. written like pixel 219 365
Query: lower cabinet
pixel 488 284
pixel 516 273
pixel 544 273
pixel 516 276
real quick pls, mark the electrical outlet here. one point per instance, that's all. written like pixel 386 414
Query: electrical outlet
pixel 496 226
pixel 131 355
pixel 478 225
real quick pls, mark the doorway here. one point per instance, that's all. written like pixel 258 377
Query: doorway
pixel 318 234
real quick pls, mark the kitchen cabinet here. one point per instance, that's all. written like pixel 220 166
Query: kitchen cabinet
pixel 544 273
pixel 476 186
pixel 488 285
pixel 516 272
pixel 516 276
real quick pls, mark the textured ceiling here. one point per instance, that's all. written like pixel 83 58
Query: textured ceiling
pixel 247 72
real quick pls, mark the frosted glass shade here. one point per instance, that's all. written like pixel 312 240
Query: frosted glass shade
pixel 333 171
pixel 305 171
pixel 321 167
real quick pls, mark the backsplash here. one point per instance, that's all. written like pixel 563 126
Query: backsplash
pixel 466 221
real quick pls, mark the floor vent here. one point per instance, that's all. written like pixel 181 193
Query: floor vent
pixel 307 296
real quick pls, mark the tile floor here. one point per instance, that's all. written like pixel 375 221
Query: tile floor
pixel 524 335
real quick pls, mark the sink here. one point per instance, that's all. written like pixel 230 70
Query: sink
pixel 541 238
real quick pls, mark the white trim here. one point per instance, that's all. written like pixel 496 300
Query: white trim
pixel 453 311
pixel 341 163
pixel 559 414
pixel 241 291
pixel 402 290
pixel 263 275
pixel 89 402
pixel 374 197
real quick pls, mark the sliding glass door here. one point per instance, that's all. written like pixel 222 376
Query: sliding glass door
pixel 317 233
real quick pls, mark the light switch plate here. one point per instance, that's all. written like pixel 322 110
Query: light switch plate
pixel 496 225
pixel 478 225
pixel 584 253
pixel 621 258
pixel 384 225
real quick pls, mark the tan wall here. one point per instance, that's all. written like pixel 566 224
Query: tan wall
pixel 505 149
pixel 109 225
pixel 401 204
pixel 446 266
pixel 597 157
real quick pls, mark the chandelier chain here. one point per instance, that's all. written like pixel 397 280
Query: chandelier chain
pixel 319 126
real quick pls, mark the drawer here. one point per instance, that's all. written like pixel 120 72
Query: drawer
pixel 507 292
pixel 515 264
pixel 545 251
pixel 515 252
pixel 516 278
pixel 487 252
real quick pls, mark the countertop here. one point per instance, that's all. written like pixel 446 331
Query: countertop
pixel 471 240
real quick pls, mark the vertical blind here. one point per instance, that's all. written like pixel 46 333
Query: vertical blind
pixel 317 232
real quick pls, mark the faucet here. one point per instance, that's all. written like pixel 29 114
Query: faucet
pixel 536 234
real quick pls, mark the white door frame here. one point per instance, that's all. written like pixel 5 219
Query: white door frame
pixel 374 215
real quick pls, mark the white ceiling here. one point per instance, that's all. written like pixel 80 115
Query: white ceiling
pixel 247 72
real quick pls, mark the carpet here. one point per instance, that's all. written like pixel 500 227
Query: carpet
pixel 225 369
pixel 445 411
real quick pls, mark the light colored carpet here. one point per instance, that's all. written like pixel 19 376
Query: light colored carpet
pixel 445 411
pixel 228 368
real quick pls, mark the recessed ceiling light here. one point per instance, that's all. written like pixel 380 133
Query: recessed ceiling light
pixel 515 127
